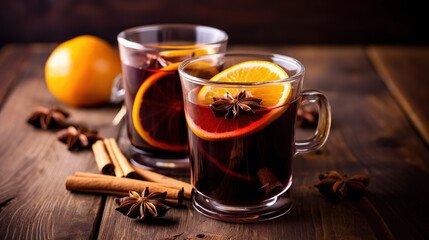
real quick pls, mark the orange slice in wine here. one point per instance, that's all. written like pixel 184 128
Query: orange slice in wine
pixel 158 108
pixel 274 98
pixel 158 111
pixel 186 52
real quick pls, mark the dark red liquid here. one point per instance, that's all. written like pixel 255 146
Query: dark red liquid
pixel 246 169
pixel 168 92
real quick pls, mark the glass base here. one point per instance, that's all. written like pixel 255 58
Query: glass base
pixel 272 208
pixel 167 166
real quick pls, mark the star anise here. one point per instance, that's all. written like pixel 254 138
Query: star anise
pixel 337 187
pixel 77 139
pixel 144 206
pixel 46 118
pixel 230 106
pixel 155 61
pixel 306 118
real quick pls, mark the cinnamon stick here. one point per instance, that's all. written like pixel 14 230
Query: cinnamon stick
pixel 269 181
pixel 122 167
pixel 118 170
pixel 169 201
pixel 125 165
pixel 174 202
pixel 95 175
pixel 113 185
pixel 179 186
pixel 159 178
pixel 102 159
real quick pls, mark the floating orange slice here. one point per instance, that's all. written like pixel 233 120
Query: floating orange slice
pixel 186 52
pixel 158 114
pixel 274 98
pixel 158 111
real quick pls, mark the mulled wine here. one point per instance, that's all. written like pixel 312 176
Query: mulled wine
pixel 150 57
pixel 241 161
pixel 241 131
pixel 156 120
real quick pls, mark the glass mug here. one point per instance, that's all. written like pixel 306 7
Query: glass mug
pixel 241 168
pixel 150 57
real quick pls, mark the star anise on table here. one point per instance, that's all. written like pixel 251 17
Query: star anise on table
pixel 78 139
pixel 232 106
pixel 336 187
pixel 45 118
pixel 144 206
pixel 306 118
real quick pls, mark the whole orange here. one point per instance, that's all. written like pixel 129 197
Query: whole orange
pixel 81 71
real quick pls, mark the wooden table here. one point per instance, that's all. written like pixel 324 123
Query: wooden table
pixel 379 98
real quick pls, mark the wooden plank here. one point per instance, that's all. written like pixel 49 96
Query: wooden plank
pixel 405 70
pixel 33 200
pixel 370 135
pixel 11 61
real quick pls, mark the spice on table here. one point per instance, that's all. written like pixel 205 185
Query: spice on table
pixel 102 158
pixel 306 118
pixel 159 178
pixel 336 187
pixel 123 167
pixel 45 118
pixel 78 139
pixel 105 184
pixel 174 237
pixel 145 206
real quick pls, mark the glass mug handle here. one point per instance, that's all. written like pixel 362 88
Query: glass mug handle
pixel 117 96
pixel 324 123
pixel 118 91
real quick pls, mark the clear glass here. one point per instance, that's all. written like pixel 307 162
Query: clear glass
pixel 241 167
pixel 150 56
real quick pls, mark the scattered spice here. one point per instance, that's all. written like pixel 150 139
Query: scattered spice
pixel 78 139
pixel 336 187
pixel 45 118
pixel 174 237
pixel 146 206
pixel 230 106
pixel 307 118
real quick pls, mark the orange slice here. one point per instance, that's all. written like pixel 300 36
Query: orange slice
pixel 186 52
pixel 274 98
pixel 158 111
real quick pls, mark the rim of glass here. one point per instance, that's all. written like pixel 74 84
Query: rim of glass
pixel 194 79
pixel 141 46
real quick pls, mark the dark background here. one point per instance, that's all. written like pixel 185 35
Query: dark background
pixel 246 22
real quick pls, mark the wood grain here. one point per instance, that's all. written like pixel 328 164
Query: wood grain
pixel 403 70
pixel 34 164
pixel 370 135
